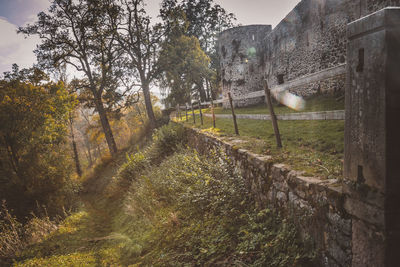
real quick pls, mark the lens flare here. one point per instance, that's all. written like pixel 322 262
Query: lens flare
pixel 290 100
pixel 251 52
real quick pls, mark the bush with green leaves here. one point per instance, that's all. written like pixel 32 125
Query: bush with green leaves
pixel 35 166
pixel 133 165
pixel 166 140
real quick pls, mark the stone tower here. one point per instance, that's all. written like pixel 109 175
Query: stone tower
pixel 241 62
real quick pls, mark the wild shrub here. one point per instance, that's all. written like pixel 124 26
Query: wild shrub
pixel 133 165
pixel 35 165
pixel 166 140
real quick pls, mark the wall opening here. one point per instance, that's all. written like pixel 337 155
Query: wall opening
pixel 223 50
pixel 280 79
pixel 360 175
pixel 360 66
pixel 236 45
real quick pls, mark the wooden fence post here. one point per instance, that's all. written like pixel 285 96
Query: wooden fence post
pixel 186 112
pixel 212 111
pixel 201 114
pixel 194 118
pixel 272 113
pixel 233 114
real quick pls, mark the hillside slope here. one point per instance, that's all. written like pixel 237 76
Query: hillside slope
pixel 166 205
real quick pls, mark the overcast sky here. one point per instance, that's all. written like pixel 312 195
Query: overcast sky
pixel 14 48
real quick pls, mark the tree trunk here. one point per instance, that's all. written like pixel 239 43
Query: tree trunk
pixel 75 148
pixel 209 95
pixel 149 107
pixel 90 159
pixel 202 92
pixel 112 146
pixel 98 151
pixel 76 157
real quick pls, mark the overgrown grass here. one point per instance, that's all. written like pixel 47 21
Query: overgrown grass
pixel 315 147
pixel 196 211
pixel 15 236
pixel 182 209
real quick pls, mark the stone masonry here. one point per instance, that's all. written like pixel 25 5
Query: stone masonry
pixel 240 62
pixel 315 205
pixel 355 222
pixel 372 132
pixel 311 38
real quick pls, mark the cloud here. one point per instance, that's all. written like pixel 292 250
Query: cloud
pixel 20 12
pixel 14 48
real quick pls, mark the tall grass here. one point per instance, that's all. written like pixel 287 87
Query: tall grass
pixel 192 210
pixel 15 236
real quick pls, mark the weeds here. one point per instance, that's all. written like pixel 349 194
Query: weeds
pixel 15 237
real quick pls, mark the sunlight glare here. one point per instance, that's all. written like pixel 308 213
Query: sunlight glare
pixel 290 100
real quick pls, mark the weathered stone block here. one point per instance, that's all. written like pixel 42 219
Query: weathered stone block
pixel 372 133
pixel 368 246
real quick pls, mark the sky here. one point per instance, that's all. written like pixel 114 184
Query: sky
pixel 15 48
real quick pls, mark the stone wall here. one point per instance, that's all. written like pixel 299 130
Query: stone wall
pixel 240 64
pixel 356 223
pixel 316 206
pixel 311 38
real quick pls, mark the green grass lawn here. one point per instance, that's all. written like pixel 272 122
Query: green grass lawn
pixel 319 103
pixel 315 147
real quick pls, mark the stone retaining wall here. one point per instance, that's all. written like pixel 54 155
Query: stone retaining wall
pixel 316 205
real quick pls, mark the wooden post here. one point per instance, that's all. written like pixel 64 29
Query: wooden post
pixel 272 113
pixel 201 114
pixel 194 118
pixel 212 111
pixel 186 112
pixel 233 114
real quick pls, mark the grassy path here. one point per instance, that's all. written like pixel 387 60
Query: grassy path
pixel 85 238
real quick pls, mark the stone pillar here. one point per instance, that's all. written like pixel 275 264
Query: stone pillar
pixel 372 138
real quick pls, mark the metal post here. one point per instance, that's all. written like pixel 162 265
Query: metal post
pixel 233 114
pixel 272 113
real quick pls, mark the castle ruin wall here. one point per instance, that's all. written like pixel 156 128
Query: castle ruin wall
pixel 311 38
